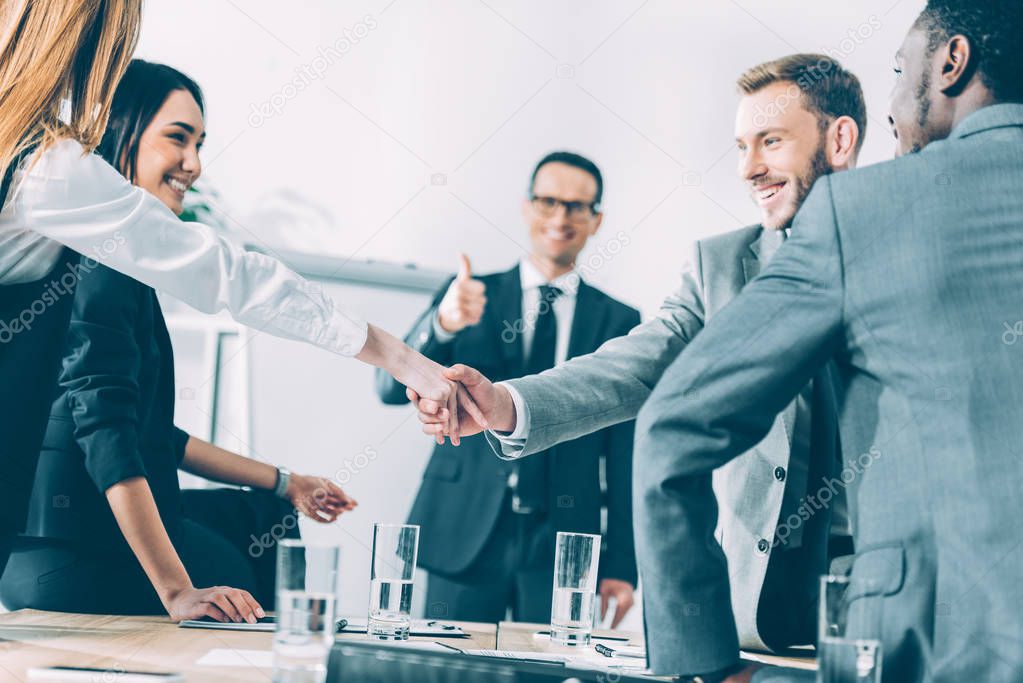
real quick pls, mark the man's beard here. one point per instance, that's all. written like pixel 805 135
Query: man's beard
pixel 923 112
pixel 819 167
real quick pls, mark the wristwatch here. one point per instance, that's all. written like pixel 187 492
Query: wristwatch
pixel 281 487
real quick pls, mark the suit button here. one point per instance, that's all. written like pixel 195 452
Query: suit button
pixel 779 473
pixel 763 545
pixel 423 336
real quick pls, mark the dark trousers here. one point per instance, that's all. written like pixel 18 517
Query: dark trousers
pixel 515 569
pixel 227 538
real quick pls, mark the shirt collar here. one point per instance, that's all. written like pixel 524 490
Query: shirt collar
pixel 532 278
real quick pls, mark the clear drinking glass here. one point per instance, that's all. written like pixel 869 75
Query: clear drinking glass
pixel 576 557
pixel 840 658
pixel 307 596
pixel 393 568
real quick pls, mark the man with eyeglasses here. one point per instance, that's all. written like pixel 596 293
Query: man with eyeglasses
pixel 488 525
pixel 781 513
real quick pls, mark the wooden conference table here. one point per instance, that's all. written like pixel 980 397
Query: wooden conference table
pixel 30 638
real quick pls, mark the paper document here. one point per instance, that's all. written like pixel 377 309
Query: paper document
pixel 231 657
pixel 420 627
pixel 520 655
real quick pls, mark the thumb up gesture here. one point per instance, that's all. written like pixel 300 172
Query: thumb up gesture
pixel 464 301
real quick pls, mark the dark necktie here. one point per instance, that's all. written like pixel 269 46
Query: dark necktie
pixel 529 478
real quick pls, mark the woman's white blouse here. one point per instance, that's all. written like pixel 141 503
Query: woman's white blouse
pixel 68 197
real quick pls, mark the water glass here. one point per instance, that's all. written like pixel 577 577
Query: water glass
pixel 393 569
pixel 576 558
pixel 307 596
pixel 840 657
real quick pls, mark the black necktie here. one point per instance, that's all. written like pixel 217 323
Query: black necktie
pixel 545 332
pixel 529 479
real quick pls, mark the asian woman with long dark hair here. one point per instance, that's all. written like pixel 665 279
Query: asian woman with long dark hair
pixel 109 530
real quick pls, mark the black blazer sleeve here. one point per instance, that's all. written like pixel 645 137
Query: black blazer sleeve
pixel 181 438
pixel 422 339
pixel 619 558
pixel 100 376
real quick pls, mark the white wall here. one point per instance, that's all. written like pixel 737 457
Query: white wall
pixel 470 89
pixel 311 411
pixel 419 139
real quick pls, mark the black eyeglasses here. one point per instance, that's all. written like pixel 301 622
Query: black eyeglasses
pixel 576 211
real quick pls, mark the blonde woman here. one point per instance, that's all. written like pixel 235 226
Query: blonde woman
pixel 60 62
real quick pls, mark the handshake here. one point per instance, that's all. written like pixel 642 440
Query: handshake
pixel 478 404
pixel 457 401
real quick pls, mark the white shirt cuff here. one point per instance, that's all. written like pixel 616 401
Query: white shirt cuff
pixel 439 333
pixel 521 430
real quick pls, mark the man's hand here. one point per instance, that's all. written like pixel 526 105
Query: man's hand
pixel 622 592
pixel 318 498
pixel 464 301
pixel 493 403
pixel 421 375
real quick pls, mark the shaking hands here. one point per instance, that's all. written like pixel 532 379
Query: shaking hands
pixel 490 407
pixel 476 404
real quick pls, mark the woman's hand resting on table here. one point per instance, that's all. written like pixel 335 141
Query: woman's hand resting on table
pixel 222 603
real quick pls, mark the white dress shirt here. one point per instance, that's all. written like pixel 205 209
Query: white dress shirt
pixel 513 442
pixel 68 197
pixel 564 310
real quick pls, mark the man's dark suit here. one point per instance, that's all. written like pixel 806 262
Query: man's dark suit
pixel 463 502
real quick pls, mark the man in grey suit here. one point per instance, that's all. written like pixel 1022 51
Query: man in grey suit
pixel 800 117
pixel 907 275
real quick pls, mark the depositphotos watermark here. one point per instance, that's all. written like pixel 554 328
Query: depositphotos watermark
pixel 60 287
pixel 344 474
pixel 312 71
pixel 350 467
pixel 812 504
pixel 817 72
pixel 603 255
pixel 1012 333
pixel 110 675
pixel 855 37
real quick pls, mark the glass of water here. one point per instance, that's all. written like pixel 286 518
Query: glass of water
pixel 393 568
pixel 307 594
pixel 842 657
pixel 576 557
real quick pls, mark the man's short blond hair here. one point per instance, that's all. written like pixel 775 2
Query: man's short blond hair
pixel 828 90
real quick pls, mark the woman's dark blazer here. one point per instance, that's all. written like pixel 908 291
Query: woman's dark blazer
pixel 113 417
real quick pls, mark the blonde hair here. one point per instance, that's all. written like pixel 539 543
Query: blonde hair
pixel 60 61
pixel 828 90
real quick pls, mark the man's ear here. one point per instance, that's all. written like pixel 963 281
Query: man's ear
pixel 597 220
pixel 843 141
pixel 957 66
pixel 527 211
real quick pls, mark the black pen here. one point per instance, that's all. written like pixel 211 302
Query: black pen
pixel 608 652
pixel 450 647
pixel 446 627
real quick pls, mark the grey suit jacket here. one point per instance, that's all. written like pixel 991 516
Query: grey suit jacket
pixel 909 274
pixel 610 385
